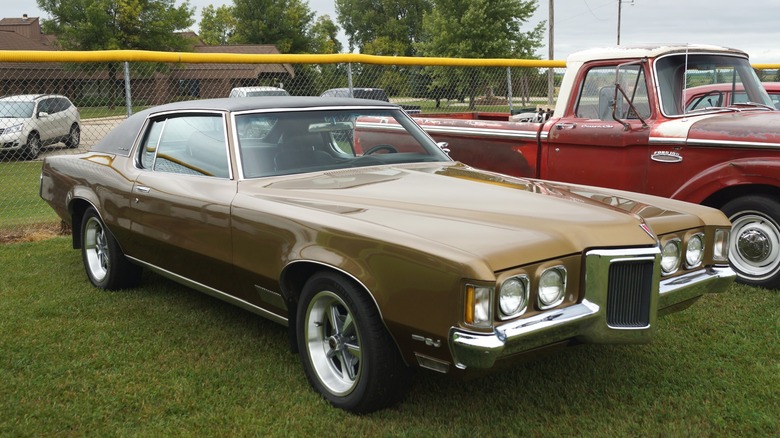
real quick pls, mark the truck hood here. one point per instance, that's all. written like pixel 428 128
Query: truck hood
pixel 502 220
pixel 746 128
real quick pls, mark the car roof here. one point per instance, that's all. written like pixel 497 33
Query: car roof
pixel 21 97
pixel 118 140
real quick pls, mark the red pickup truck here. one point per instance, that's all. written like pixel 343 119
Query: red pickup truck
pixel 623 120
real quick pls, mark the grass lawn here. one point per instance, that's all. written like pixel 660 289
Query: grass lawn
pixel 21 205
pixel 163 360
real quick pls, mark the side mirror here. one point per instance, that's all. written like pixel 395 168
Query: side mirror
pixel 443 145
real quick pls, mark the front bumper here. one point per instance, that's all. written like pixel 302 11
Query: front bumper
pixel 587 321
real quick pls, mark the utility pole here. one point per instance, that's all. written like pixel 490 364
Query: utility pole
pixel 551 54
pixel 620 7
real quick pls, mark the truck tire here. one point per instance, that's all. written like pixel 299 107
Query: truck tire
pixel 754 250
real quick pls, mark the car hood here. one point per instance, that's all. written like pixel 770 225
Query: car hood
pixel 738 127
pixel 505 221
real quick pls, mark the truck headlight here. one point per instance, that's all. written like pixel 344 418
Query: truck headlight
pixel 552 287
pixel 694 250
pixel 513 296
pixel 670 256
pixel 478 305
pixel 720 247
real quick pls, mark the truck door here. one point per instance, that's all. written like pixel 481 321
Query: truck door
pixel 602 139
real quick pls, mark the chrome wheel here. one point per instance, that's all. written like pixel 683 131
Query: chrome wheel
pixel 332 341
pixel 96 249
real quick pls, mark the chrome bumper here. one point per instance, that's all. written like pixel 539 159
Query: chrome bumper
pixel 586 322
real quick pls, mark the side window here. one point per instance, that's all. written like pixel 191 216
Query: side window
pixel 44 106
pixel 597 95
pixel 191 144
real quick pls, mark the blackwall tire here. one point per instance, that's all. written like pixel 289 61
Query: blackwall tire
pixel 754 248
pixel 33 147
pixel 105 263
pixel 74 137
pixel 345 350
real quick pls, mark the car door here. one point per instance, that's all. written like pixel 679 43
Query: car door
pixel 589 146
pixel 45 120
pixel 180 201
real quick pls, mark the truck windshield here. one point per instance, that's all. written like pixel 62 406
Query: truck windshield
pixel 701 82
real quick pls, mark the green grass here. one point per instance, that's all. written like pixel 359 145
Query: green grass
pixel 164 360
pixel 21 205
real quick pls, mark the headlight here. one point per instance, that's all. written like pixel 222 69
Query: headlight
pixel 513 296
pixel 13 129
pixel 720 247
pixel 694 250
pixel 670 256
pixel 478 305
pixel 552 287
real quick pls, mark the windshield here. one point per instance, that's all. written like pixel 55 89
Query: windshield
pixel 308 141
pixel 697 82
pixel 19 110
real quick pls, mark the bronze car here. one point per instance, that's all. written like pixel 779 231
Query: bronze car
pixel 344 221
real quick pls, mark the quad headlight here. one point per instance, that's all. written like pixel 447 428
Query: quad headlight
pixel 552 287
pixel 513 296
pixel 694 250
pixel 670 256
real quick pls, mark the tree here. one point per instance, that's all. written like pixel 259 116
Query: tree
pixel 477 29
pixel 284 23
pixel 325 36
pixel 217 25
pixel 382 27
pixel 118 24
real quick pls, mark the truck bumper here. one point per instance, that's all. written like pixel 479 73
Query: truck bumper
pixel 585 321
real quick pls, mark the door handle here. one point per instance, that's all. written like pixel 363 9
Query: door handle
pixel 142 189
pixel 565 126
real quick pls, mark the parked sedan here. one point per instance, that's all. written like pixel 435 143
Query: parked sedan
pixel 347 223
pixel 29 122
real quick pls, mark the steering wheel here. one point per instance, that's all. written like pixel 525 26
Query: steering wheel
pixel 705 95
pixel 381 147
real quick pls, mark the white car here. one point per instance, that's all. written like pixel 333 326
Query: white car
pixel 30 121
pixel 258 91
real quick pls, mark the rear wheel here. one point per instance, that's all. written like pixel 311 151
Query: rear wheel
pixel 754 250
pixel 33 146
pixel 346 352
pixel 74 136
pixel 105 263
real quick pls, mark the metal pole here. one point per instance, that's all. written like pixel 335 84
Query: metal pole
pixel 349 79
pixel 551 55
pixel 128 93
pixel 620 7
pixel 509 89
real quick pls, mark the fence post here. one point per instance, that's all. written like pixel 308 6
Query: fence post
pixel 509 89
pixel 349 79
pixel 128 93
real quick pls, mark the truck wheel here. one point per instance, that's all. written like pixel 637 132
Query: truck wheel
pixel 105 263
pixel 345 350
pixel 755 240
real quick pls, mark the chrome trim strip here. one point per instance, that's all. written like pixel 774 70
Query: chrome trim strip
pixel 668 140
pixel 685 287
pixel 482 132
pixel 734 144
pixel 213 292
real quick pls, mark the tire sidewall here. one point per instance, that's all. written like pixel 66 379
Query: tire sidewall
pixel 319 283
pixel 762 206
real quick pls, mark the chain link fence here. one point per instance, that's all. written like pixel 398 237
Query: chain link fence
pixel 65 102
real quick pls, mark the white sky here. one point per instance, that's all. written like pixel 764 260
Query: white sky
pixel 750 25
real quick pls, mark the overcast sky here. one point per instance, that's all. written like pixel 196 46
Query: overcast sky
pixel 750 25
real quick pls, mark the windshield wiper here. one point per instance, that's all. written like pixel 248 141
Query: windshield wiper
pixel 760 105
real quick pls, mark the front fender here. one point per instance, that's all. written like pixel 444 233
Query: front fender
pixel 747 171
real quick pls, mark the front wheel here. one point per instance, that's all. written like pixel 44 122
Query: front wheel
pixel 754 250
pixel 345 350
pixel 105 263
pixel 33 146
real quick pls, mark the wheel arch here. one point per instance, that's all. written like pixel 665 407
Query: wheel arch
pixel 719 198
pixel 720 183
pixel 295 275
pixel 76 208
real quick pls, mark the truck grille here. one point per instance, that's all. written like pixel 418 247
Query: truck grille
pixel 629 293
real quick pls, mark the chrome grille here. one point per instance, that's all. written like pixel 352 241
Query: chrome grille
pixel 629 293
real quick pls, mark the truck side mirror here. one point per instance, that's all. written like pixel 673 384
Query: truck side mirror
pixel 607 101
